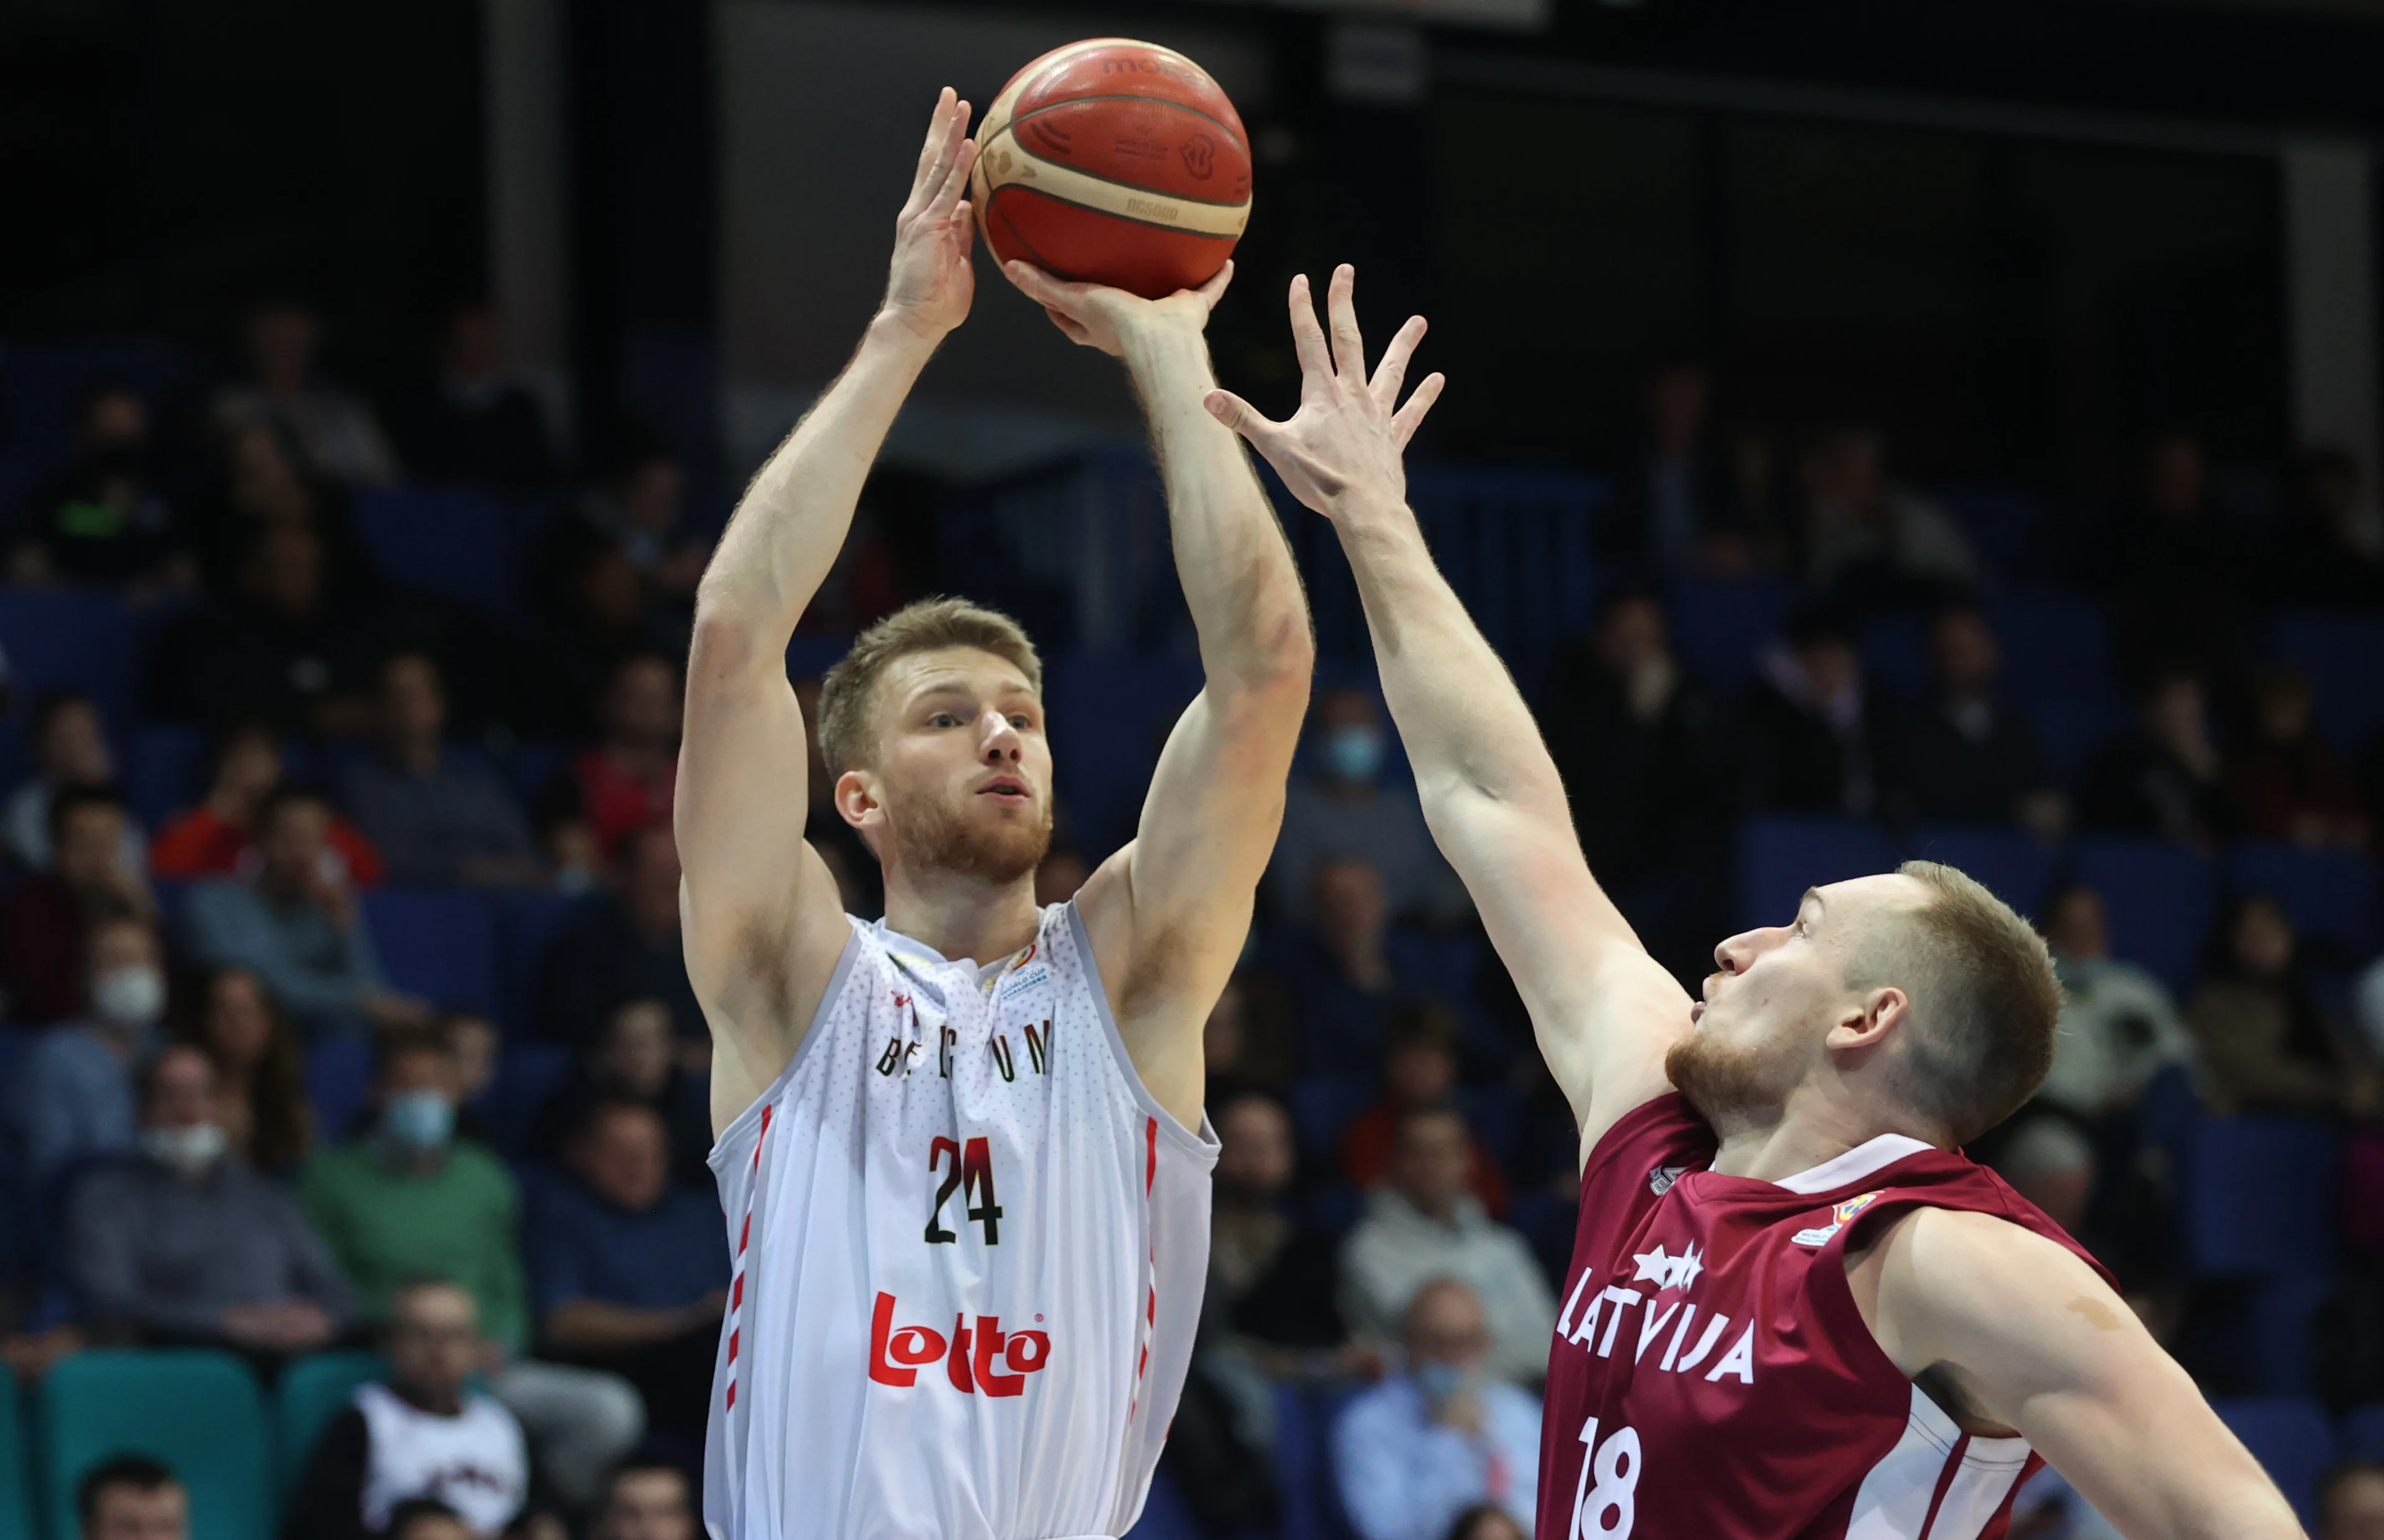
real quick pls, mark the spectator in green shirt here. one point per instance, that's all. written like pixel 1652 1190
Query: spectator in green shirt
pixel 409 1200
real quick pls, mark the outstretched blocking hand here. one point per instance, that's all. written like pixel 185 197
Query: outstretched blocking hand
pixel 1095 315
pixel 932 281
pixel 1344 441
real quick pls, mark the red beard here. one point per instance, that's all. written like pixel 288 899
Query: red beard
pixel 940 837
pixel 1722 1082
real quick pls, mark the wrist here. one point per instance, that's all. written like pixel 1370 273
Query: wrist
pixel 1166 348
pixel 905 331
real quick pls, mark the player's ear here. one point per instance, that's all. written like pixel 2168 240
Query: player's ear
pixel 857 800
pixel 1871 1019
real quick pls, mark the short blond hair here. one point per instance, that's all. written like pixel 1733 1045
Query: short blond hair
pixel 848 689
pixel 1984 999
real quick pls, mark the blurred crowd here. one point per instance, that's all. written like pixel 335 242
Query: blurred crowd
pixel 1393 1204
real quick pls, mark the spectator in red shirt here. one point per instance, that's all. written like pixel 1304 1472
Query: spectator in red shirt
pixel 1419 1072
pixel 45 922
pixel 210 839
pixel 2286 783
pixel 624 783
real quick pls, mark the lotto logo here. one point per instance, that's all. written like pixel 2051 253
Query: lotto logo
pixel 970 1353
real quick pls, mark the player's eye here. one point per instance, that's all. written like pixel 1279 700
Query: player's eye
pixel 943 719
pixel 1020 721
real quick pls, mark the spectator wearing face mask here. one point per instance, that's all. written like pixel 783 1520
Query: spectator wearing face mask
pixel 71 1096
pixel 1422 1446
pixel 1341 804
pixel 70 750
pixel 46 924
pixel 260 1071
pixel 408 1200
pixel 186 1244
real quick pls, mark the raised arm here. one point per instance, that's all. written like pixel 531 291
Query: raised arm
pixel 2007 1329
pixel 762 922
pixel 1167 915
pixel 1603 1010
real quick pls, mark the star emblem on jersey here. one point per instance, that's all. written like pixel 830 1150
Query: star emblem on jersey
pixel 1668 1271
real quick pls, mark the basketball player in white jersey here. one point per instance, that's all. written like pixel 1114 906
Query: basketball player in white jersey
pixel 1911 1336
pixel 960 1150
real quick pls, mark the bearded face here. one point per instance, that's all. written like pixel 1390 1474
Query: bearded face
pixel 961 782
pixel 940 829
pixel 1729 1083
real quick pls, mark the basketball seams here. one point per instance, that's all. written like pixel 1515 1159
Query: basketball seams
pixel 1065 170
pixel 1107 214
pixel 1240 140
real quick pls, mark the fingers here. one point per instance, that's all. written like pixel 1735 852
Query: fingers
pixel 1341 308
pixel 1239 415
pixel 1410 416
pixel 945 147
pixel 938 132
pixel 1392 372
pixel 1070 328
pixel 956 176
pixel 1219 282
pixel 1306 337
pixel 1036 284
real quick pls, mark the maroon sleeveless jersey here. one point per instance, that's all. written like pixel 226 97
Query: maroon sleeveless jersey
pixel 1711 1378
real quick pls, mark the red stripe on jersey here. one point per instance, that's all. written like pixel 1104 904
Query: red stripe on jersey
pixel 1150 1161
pixel 1945 1481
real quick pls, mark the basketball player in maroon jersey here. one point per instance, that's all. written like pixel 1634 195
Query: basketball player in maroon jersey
pixel 1793 1307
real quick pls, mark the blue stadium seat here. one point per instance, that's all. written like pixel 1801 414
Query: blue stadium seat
pixel 1322 1105
pixel 200 1412
pixel 1719 624
pixel 1779 857
pixel 1895 655
pixel 1299 1463
pixel 168 772
pixel 313 1390
pixel 2055 647
pixel 2329 895
pixel 16 1494
pixel 455 542
pixel 1108 718
pixel 2290 1437
pixel 2258 1196
pixel 808 655
pixel 2160 897
pixel 2072 729
pixel 2283 1336
pixel 2343 656
pixel 2014 865
pixel 441 946
pixel 2008 528
pixel 1515 545
pixel 339 1084
pixel 71 639
pixel 527 1076
pixel 40 384
pixel 2362 1432
pixel 1164 1515
pixel 526 925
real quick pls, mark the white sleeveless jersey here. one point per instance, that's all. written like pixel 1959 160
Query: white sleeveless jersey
pixel 474 1461
pixel 969 1255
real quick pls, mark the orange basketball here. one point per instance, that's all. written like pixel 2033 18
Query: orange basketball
pixel 1117 162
